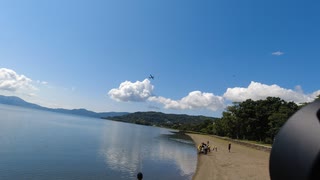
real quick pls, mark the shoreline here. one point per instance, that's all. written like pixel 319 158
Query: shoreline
pixel 241 162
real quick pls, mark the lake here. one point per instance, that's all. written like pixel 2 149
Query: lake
pixel 42 145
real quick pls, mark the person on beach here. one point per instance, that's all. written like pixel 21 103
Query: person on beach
pixel 229 147
pixel 205 149
pixel 139 176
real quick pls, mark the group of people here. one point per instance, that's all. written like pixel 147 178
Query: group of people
pixel 205 148
pixel 202 148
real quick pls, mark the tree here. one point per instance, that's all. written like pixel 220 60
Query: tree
pixel 255 120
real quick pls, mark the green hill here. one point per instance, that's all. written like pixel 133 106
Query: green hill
pixel 175 121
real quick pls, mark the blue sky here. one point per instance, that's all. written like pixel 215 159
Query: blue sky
pixel 204 54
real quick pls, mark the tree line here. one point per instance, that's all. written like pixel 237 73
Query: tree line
pixel 258 120
pixel 255 120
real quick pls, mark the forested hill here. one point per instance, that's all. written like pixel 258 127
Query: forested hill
pixel 176 121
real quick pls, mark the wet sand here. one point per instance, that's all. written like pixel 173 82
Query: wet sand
pixel 241 163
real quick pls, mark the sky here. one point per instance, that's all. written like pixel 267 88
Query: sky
pixel 204 55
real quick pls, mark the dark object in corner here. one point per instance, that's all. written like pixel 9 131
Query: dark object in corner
pixel 295 153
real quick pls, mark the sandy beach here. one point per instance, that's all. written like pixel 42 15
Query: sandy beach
pixel 241 163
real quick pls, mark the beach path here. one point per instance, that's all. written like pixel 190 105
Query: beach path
pixel 240 163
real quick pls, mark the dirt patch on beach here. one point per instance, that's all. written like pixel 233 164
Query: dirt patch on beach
pixel 240 163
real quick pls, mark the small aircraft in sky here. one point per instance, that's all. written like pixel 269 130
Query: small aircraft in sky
pixel 151 76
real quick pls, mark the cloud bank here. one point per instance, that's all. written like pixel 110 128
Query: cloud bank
pixel 128 91
pixel 11 81
pixel 257 91
pixel 143 91
pixel 194 100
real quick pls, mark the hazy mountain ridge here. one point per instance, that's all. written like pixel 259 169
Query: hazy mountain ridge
pixel 16 101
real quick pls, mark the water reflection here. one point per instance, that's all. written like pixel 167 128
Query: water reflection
pixel 185 159
pixel 122 147
pixel 131 148
pixel 45 145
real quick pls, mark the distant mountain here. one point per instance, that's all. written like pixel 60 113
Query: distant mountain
pixel 16 101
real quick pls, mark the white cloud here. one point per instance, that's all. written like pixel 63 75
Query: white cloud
pixel 31 95
pixel 194 100
pixel 197 100
pixel 256 91
pixel 277 53
pixel 129 91
pixel 142 91
pixel 298 88
pixel 11 81
pixel 42 82
pixel 315 94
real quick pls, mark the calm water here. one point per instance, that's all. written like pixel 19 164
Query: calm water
pixel 43 145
